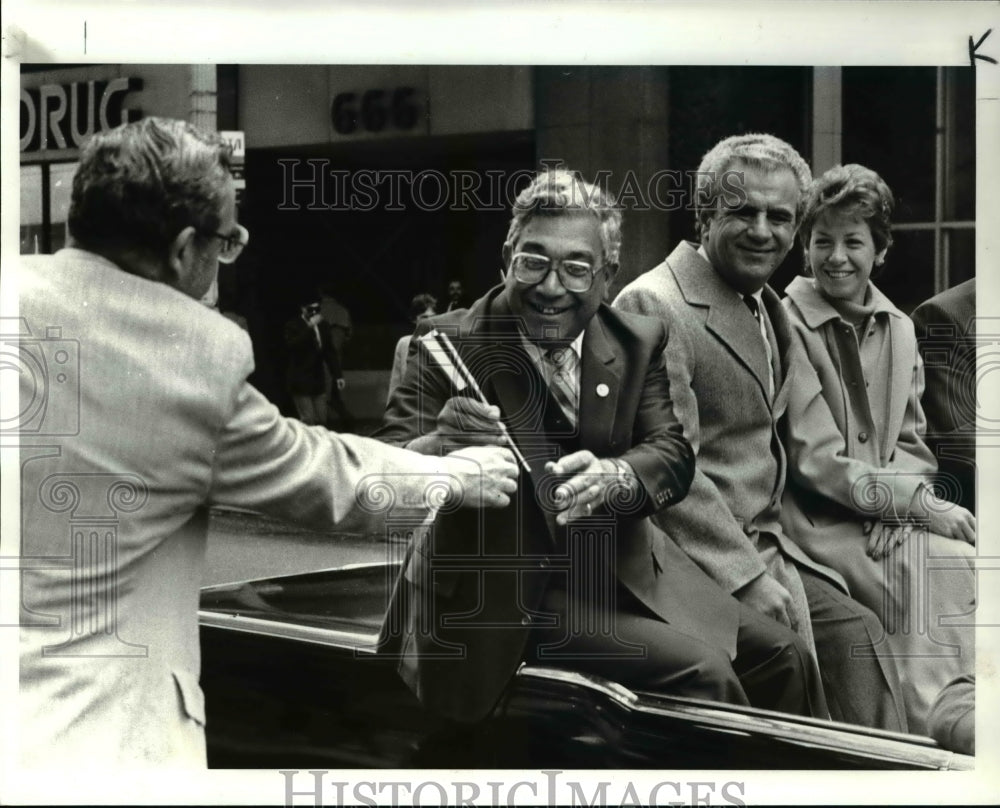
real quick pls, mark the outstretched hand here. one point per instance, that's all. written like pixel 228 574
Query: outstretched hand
pixel 482 476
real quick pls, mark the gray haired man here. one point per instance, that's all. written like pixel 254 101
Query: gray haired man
pixel 730 366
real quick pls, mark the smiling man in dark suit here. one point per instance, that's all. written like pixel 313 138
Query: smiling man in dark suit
pixel 730 368
pixel 572 573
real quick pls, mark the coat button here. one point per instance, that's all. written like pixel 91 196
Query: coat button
pixel 863 437
pixel 543 564
pixel 525 621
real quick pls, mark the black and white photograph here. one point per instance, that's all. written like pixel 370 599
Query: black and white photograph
pixel 565 403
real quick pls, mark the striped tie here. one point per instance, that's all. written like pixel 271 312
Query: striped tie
pixel 562 383
pixel 751 303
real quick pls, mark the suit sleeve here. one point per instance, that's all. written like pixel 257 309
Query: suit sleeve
pixel 266 462
pixel 818 458
pixel 949 383
pixel 330 356
pixel 297 334
pixel 661 456
pixel 701 524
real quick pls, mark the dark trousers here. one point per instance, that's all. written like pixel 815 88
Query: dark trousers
pixel 861 686
pixel 772 669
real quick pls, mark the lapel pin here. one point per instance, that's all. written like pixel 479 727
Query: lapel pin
pixel 603 390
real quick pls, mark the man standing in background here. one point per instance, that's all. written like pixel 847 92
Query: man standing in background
pixel 340 328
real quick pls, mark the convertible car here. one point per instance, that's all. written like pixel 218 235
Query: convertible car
pixel 292 680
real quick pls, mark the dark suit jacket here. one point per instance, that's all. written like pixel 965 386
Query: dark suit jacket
pixel 306 357
pixel 946 334
pixel 472 586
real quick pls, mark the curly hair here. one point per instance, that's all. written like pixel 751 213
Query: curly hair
pixel 756 150
pixel 421 303
pixel 557 191
pixel 140 184
pixel 853 190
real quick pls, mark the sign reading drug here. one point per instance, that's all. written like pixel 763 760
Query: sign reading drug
pixel 64 116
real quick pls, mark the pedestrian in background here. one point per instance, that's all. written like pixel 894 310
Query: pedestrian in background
pixel 421 307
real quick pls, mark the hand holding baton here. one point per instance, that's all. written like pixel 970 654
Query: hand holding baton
pixel 443 351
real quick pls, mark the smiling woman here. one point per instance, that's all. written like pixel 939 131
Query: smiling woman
pixel 860 498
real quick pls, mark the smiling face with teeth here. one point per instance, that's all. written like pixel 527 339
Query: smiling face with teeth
pixel 549 312
pixel 842 254
pixel 746 240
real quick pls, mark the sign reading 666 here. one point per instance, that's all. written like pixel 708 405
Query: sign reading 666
pixel 376 111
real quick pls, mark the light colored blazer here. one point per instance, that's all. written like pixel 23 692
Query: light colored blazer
pixel 141 417
pixel 840 473
pixel 721 397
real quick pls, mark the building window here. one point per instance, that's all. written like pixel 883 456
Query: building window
pixel 60 191
pixel 46 189
pixel 916 127
pixel 32 229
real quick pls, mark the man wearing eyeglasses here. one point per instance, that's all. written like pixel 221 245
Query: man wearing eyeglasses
pixel 146 419
pixel 572 573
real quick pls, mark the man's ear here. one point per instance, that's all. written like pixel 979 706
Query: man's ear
pixel 506 253
pixel 180 254
pixel 704 217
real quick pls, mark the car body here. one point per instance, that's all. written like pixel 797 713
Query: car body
pixel 292 678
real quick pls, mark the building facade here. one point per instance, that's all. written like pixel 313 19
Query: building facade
pixel 378 182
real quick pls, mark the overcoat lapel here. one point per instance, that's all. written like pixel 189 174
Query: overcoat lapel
pixel 780 332
pixel 600 373
pixel 728 318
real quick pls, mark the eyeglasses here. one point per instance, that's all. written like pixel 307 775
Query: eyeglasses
pixel 232 245
pixel 531 269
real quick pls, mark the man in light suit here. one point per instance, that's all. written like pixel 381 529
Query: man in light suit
pixel 730 370
pixel 582 392
pixel 144 418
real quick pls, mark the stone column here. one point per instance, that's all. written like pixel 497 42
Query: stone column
pixel 613 120
pixel 203 97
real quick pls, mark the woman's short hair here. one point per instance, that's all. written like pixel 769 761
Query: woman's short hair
pixel 421 303
pixel 140 184
pixel 556 191
pixel 851 190
pixel 756 150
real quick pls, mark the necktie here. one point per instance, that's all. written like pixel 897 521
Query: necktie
pixel 751 303
pixel 562 383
